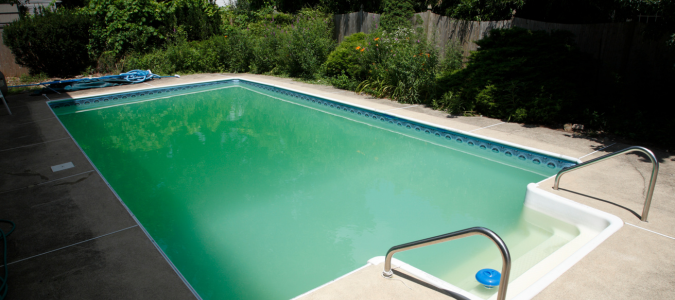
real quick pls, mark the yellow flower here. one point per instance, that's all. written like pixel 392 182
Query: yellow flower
pixel 377 39
pixel 377 45
pixel 358 47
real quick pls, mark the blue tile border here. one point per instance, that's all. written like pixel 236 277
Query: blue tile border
pixel 517 155
pixel 508 152
pixel 129 95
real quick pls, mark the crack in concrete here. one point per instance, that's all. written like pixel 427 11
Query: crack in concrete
pixel 75 182
pixel 29 173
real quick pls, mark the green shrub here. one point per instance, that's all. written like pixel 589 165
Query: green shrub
pixel 306 44
pixel 344 82
pixel 217 54
pixel 122 26
pixel 345 60
pixel 199 18
pixel 520 75
pixel 480 10
pixel 396 14
pixel 51 42
pixel 401 65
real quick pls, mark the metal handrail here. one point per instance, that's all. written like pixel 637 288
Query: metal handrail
pixel 652 181
pixel 506 257
pixel 5 103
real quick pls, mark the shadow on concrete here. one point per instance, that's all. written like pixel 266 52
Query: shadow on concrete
pixel 429 286
pixel 606 201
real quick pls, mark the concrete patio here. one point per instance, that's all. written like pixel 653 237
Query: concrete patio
pixel 75 240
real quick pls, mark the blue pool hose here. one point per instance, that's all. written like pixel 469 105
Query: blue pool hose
pixel 133 76
pixel 3 280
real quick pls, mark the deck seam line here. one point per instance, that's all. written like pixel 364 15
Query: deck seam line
pixel 645 229
pixel 34 144
pixel 35 121
pixel 75 244
pixel 42 183
pixel 402 107
pixel 486 127
pixel 597 151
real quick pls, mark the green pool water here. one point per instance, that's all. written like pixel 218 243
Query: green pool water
pixel 261 197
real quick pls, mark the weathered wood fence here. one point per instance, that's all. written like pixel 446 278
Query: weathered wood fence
pixel 620 46
pixel 626 51
pixel 9 13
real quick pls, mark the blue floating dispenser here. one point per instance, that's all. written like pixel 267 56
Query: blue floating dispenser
pixel 489 278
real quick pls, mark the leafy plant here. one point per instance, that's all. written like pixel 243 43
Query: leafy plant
pixel 344 60
pixel 397 14
pixel 401 65
pixel 122 26
pixel 53 42
pixel 521 75
pixel 480 10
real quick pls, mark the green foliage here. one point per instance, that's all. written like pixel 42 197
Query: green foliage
pixel 480 10
pixel 401 65
pixel 344 82
pixel 218 54
pixel 345 60
pixel 396 13
pixel 51 42
pixel 199 18
pixel 520 75
pixel 294 48
pixel 121 26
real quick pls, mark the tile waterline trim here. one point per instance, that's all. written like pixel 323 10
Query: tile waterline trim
pixel 517 153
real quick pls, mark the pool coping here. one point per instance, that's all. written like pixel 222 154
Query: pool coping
pixel 586 247
pixel 166 258
pixel 562 160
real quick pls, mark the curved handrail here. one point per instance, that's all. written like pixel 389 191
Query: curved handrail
pixel 652 180
pixel 506 256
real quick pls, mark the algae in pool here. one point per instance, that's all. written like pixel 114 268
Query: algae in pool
pixel 261 197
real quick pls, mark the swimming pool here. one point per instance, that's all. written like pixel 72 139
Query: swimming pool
pixel 237 181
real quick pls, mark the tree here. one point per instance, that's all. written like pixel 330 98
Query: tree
pixel 396 13
pixel 479 10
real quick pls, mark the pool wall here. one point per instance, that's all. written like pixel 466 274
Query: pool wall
pixel 517 154
pixel 596 225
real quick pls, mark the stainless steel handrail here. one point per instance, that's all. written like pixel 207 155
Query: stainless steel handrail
pixel 652 181
pixel 506 257
pixel 5 103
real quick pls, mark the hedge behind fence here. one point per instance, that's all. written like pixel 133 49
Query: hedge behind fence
pixel 50 42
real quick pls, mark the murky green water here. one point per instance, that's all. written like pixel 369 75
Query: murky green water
pixel 258 198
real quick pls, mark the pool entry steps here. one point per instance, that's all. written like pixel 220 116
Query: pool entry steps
pixel 157 148
pixel 506 256
pixel 652 179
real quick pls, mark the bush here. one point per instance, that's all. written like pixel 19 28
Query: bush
pixel 401 65
pixel 345 60
pixel 520 75
pixel 218 54
pixel 396 14
pixel 122 26
pixel 306 44
pixel 51 42
pixel 480 10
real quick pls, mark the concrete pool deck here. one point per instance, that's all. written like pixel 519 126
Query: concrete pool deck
pixel 75 240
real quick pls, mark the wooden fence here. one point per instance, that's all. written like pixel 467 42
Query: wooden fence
pixel 627 51
pixel 8 67
pixel 618 45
